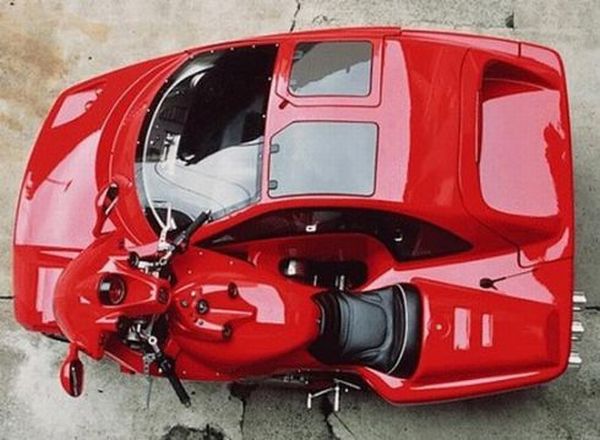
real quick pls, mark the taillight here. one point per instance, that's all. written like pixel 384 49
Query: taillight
pixel 112 290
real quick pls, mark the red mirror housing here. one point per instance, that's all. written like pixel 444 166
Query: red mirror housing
pixel 71 372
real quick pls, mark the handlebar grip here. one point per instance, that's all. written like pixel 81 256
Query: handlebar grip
pixel 189 231
pixel 200 220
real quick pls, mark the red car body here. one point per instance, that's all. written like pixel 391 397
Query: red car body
pixel 473 136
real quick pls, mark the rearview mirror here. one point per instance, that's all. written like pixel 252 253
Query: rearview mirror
pixel 71 372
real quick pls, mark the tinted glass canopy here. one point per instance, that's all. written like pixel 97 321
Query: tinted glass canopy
pixel 202 145
pixel 323 158
pixel 341 68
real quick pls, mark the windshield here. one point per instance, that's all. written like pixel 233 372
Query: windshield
pixel 202 143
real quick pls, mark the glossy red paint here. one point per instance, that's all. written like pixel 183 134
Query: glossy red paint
pixel 473 136
pixel 83 317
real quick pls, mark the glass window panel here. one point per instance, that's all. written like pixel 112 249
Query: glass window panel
pixel 324 158
pixel 334 68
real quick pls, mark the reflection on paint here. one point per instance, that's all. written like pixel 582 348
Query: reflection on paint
pixel 462 328
pixel 65 191
pixel 269 305
pixel 487 330
pixel 47 278
pixel 514 170
pixel 556 251
pixel 75 105
pixel 474 382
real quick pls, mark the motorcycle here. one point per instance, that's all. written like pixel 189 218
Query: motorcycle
pixel 325 209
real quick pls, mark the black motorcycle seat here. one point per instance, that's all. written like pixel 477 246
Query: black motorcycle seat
pixel 380 329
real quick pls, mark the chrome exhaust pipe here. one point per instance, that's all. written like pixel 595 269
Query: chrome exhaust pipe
pixel 577 330
pixel 575 361
pixel 579 301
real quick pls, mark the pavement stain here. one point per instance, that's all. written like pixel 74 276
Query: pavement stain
pixel 180 432
pixel 98 32
pixel 32 62
pixel 30 67
pixel 10 122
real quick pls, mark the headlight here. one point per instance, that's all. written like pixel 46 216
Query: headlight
pixel 112 290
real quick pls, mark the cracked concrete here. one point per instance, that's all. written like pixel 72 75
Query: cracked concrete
pixel 296 12
pixel 242 392
pixel 179 432
pixel 47 46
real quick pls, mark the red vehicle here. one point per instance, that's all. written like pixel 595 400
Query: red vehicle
pixel 331 208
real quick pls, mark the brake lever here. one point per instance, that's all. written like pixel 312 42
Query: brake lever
pixel 163 244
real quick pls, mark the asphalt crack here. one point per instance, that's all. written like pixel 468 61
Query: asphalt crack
pixel 295 16
pixel 242 392
pixel 510 20
pixel 326 408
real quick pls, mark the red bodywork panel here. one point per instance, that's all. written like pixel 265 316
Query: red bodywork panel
pixel 473 137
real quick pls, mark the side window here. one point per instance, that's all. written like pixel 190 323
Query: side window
pixel 405 237
pixel 341 68
pixel 323 158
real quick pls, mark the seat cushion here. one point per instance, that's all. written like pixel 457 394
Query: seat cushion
pixel 380 329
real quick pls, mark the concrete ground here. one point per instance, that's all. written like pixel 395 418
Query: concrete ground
pixel 46 46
